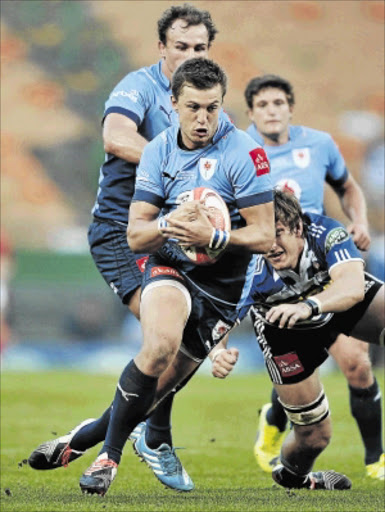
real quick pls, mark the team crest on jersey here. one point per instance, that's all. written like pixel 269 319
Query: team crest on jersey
pixel 289 186
pixel 301 157
pixel 207 167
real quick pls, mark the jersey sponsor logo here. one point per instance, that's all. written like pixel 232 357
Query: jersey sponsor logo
pixel 141 262
pixel 165 271
pixel 133 95
pixel 260 161
pixel 219 330
pixel 289 364
pixel 207 167
pixel 335 236
pixel 290 187
pixel 301 157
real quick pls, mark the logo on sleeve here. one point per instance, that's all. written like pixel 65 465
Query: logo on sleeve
pixel 301 157
pixel 335 236
pixel 207 167
pixel 260 160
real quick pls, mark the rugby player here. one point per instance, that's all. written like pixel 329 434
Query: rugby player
pixel 301 304
pixel 302 160
pixel 186 309
pixel 137 110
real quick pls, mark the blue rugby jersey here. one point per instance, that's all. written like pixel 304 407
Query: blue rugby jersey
pixel 235 167
pixel 145 97
pixel 327 244
pixel 307 160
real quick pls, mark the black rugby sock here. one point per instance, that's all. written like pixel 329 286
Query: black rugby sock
pixel 158 429
pixel 92 433
pixel 276 414
pixel 134 396
pixel 365 405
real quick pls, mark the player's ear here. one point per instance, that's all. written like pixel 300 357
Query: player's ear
pixel 299 229
pixel 161 49
pixel 174 103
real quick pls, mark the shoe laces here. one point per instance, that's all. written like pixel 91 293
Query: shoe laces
pixel 101 464
pixel 168 459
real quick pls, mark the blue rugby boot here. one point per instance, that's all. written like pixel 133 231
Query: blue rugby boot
pixel 165 464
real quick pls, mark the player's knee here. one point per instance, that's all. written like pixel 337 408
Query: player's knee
pixel 313 438
pixel 358 371
pixel 158 357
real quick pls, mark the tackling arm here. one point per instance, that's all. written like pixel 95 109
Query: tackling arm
pixel 346 289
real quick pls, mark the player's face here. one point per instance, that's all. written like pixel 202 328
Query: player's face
pixel 198 114
pixel 287 248
pixel 271 113
pixel 183 43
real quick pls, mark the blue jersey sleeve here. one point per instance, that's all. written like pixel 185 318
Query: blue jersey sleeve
pixel 250 171
pixel 149 183
pixel 130 97
pixel 337 245
pixel 337 172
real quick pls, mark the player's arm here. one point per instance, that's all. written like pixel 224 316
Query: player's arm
pixel 143 234
pixel 346 289
pixel 259 233
pixel 354 206
pixel 256 236
pixel 121 138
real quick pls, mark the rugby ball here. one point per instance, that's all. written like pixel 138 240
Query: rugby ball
pixel 219 218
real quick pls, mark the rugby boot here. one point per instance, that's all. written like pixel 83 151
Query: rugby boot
pixel 377 469
pixel 320 480
pixel 58 452
pixel 268 443
pixel 165 464
pixel 99 476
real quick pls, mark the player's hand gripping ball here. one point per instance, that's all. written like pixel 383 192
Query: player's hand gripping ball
pixel 220 219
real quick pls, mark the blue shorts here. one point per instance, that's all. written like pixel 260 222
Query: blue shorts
pixel 209 321
pixel 119 266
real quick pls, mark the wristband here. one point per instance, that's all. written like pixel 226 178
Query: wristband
pixel 219 239
pixel 216 354
pixel 314 305
pixel 162 222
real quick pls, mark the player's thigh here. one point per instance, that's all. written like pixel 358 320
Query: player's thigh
pixel 300 393
pixel 349 353
pixel 164 311
pixel 118 265
pixel 371 325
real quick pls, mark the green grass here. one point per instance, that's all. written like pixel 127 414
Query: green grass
pixel 214 420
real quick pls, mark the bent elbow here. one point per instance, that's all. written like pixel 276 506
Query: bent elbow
pixel 132 240
pixel 109 146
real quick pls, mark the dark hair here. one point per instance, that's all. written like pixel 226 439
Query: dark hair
pixel 262 82
pixel 200 73
pixel 288 210
pixel 191 15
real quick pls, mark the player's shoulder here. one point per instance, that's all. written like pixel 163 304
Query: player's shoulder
pixel 164 142
pixel 306 135
pixel 242 140
pixel 325 231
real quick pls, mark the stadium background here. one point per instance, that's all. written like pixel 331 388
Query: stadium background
pixel 59 62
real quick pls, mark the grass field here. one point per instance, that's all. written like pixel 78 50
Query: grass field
pixel 214 420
